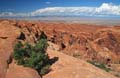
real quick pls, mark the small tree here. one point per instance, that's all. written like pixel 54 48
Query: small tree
pixel 33 56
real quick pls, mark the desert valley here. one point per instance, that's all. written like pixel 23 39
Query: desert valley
pixel 82 50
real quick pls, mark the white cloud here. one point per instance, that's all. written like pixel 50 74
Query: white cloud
pixel 106 9
pixel 63 11
pixel 11 14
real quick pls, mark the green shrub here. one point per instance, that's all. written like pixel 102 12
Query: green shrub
pixel 33 56
pixel 100 65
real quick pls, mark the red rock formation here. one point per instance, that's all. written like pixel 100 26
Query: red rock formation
pixel 88 42
pixel 8 37
pixel 16 71
pixel 77 68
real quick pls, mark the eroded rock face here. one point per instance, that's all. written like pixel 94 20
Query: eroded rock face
pixel 87 42
pixel 108 40
pixel 77 68
pixel 9 34
pixel 16 71
pixel 108 45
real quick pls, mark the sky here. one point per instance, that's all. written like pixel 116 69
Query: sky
pixel 26 8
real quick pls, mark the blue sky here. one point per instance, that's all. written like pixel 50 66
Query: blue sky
pixel 31 5
pixel 41 7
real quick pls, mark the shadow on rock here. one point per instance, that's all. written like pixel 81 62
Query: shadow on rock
pixel 53 60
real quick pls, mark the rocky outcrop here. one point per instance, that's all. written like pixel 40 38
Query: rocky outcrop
pixel 77 68
pixel 9 34
pixel 16 71
pixel 107 45
pixel 88 42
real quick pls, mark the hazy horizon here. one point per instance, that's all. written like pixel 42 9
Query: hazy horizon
pixel 74 19
pixel 73 11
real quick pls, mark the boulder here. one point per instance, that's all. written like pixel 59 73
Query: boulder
pixel 70 67
pixel 16 71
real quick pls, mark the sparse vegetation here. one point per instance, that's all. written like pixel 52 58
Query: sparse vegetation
pixel 100 65
pixel 76 55
pixel 117 74
pixel 33 56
